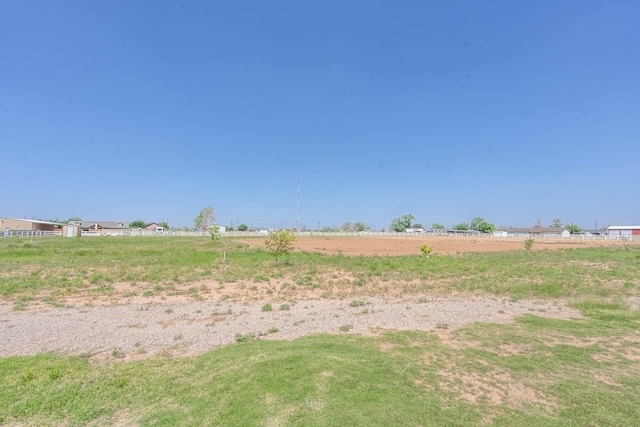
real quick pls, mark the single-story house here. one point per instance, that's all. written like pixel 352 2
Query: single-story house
pixel 536 230
pixel 539 231
pixel 101 225
pixel 27 224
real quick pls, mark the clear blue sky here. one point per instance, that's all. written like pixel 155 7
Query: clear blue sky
pixel 448 110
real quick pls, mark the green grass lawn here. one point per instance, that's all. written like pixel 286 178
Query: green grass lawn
pixel 538 372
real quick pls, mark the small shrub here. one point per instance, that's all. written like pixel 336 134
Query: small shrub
pixel 356 303
pixel 267 307
pixel 273 330
pixel 528 243
pixel 284 307
pixel 426 250
pixel 346 328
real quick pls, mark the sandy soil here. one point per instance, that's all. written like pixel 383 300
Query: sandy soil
pixel 443 245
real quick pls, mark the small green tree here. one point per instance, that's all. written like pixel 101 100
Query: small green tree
pixel 359 226
pixel 138 223
pixel 556 223
pixel 479 224
pixel 573 228
pixel 280 243
pixel 528 243
pixel 164 225
pixel 426 250
pixel 353 226
pixel 347 226
pixel 243 227
pixel 463 226
pixel 401 224
pixel 214 232
pixel 437 226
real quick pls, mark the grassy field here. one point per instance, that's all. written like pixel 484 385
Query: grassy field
pixel 61 267
pixel 535 372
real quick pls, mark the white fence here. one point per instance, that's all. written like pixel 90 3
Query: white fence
pixel 262 234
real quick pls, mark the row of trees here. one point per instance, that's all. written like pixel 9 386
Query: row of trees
pixel 404 222
pixel 477 224
pixel 555 223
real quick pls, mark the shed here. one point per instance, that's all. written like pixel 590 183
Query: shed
pixel 71 230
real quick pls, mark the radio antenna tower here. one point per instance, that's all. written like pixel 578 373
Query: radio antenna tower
pixel 298 220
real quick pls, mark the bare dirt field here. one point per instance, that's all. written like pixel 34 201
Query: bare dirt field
pixel 443 245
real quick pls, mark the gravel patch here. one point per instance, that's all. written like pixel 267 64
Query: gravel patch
pixel 137 330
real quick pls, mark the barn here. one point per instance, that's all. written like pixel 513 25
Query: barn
pixel 626 231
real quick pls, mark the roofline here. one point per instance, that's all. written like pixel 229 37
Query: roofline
pixel 36 221
pixel 624 227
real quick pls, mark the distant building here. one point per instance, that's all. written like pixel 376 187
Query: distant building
pixel 101 225
pixel 27 224
pixel 623 231
pixel 536 230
